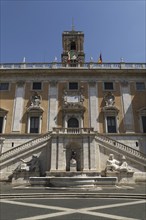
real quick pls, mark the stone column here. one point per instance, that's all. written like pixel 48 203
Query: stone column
pixel 85 154
pixel 93 154
pixel 93 105
pixel 18 107
pixel 53 105
pixel 61 155
pixel 53 155
pixel 127 107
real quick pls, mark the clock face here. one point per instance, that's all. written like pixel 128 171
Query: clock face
pixel 72 55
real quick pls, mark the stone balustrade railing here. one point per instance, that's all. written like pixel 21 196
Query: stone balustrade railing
pixel 122 147
pixel 73 130
pixel 24 147
pixel 87 65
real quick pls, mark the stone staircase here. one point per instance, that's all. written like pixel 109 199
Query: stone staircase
pixel 11 156
pixel 14 155
pixel 115 146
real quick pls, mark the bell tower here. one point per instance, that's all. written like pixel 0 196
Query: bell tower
pixel 73 47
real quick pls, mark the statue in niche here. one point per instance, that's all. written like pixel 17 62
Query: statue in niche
pixel 109 99
pixel 73 162
pixel 36 99
pixel 31 166
pixel 115 165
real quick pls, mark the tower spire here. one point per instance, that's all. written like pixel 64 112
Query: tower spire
pixel 73 27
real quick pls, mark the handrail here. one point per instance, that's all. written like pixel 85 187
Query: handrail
pixel 121 146
pixel 86 65
pixel 24 146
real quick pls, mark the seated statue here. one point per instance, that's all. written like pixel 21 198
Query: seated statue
pixel 124 165
pixel 112 164
pixel 115 165
pixel 31 166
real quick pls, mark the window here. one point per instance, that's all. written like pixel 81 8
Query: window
pixel 1 124
pixel 73 123
pixel 73 86
pixel 140 86
pixel 73 46
pixel 143 118
pixel 37 86
pixel 4 86
pixel 108 86
pixel 111 124
pixel 34 124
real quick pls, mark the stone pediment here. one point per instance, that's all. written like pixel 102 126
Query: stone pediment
pixel 3 111
pixel 110 109
pixel 35 109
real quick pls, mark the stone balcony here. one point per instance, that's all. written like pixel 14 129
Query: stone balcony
pixel 73 130
pixel 86 65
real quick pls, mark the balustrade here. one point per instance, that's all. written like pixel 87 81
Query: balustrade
pixel 24 146
pixel 87 65
pixel 73 130
pixel 121 146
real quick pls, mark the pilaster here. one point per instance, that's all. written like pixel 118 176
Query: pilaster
pixel 18 107
pixel 53 155
pixel 85 154
pixel 93 154
pixel 93 105
pixel 53 105
pixel 127 107
pixel 61 155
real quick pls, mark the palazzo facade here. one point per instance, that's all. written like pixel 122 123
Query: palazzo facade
pixel 57 109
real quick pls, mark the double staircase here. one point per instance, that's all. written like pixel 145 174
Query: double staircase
pixel 22 151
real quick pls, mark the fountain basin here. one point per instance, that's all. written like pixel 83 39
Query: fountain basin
pixel 76 181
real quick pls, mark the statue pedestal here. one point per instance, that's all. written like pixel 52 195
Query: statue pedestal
pixel 73 165
pixel 23 177
pixel 124 177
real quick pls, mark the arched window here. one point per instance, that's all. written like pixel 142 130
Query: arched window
pixel 73 46
pixel 73 123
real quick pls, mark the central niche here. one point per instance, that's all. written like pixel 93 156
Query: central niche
pixel 73 123
pixel 74 148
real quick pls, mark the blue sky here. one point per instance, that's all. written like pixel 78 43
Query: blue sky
pixel 33 29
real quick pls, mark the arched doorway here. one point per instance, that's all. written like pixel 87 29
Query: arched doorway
pixel 73 123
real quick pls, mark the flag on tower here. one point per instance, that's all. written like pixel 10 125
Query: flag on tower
pixel 100 58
